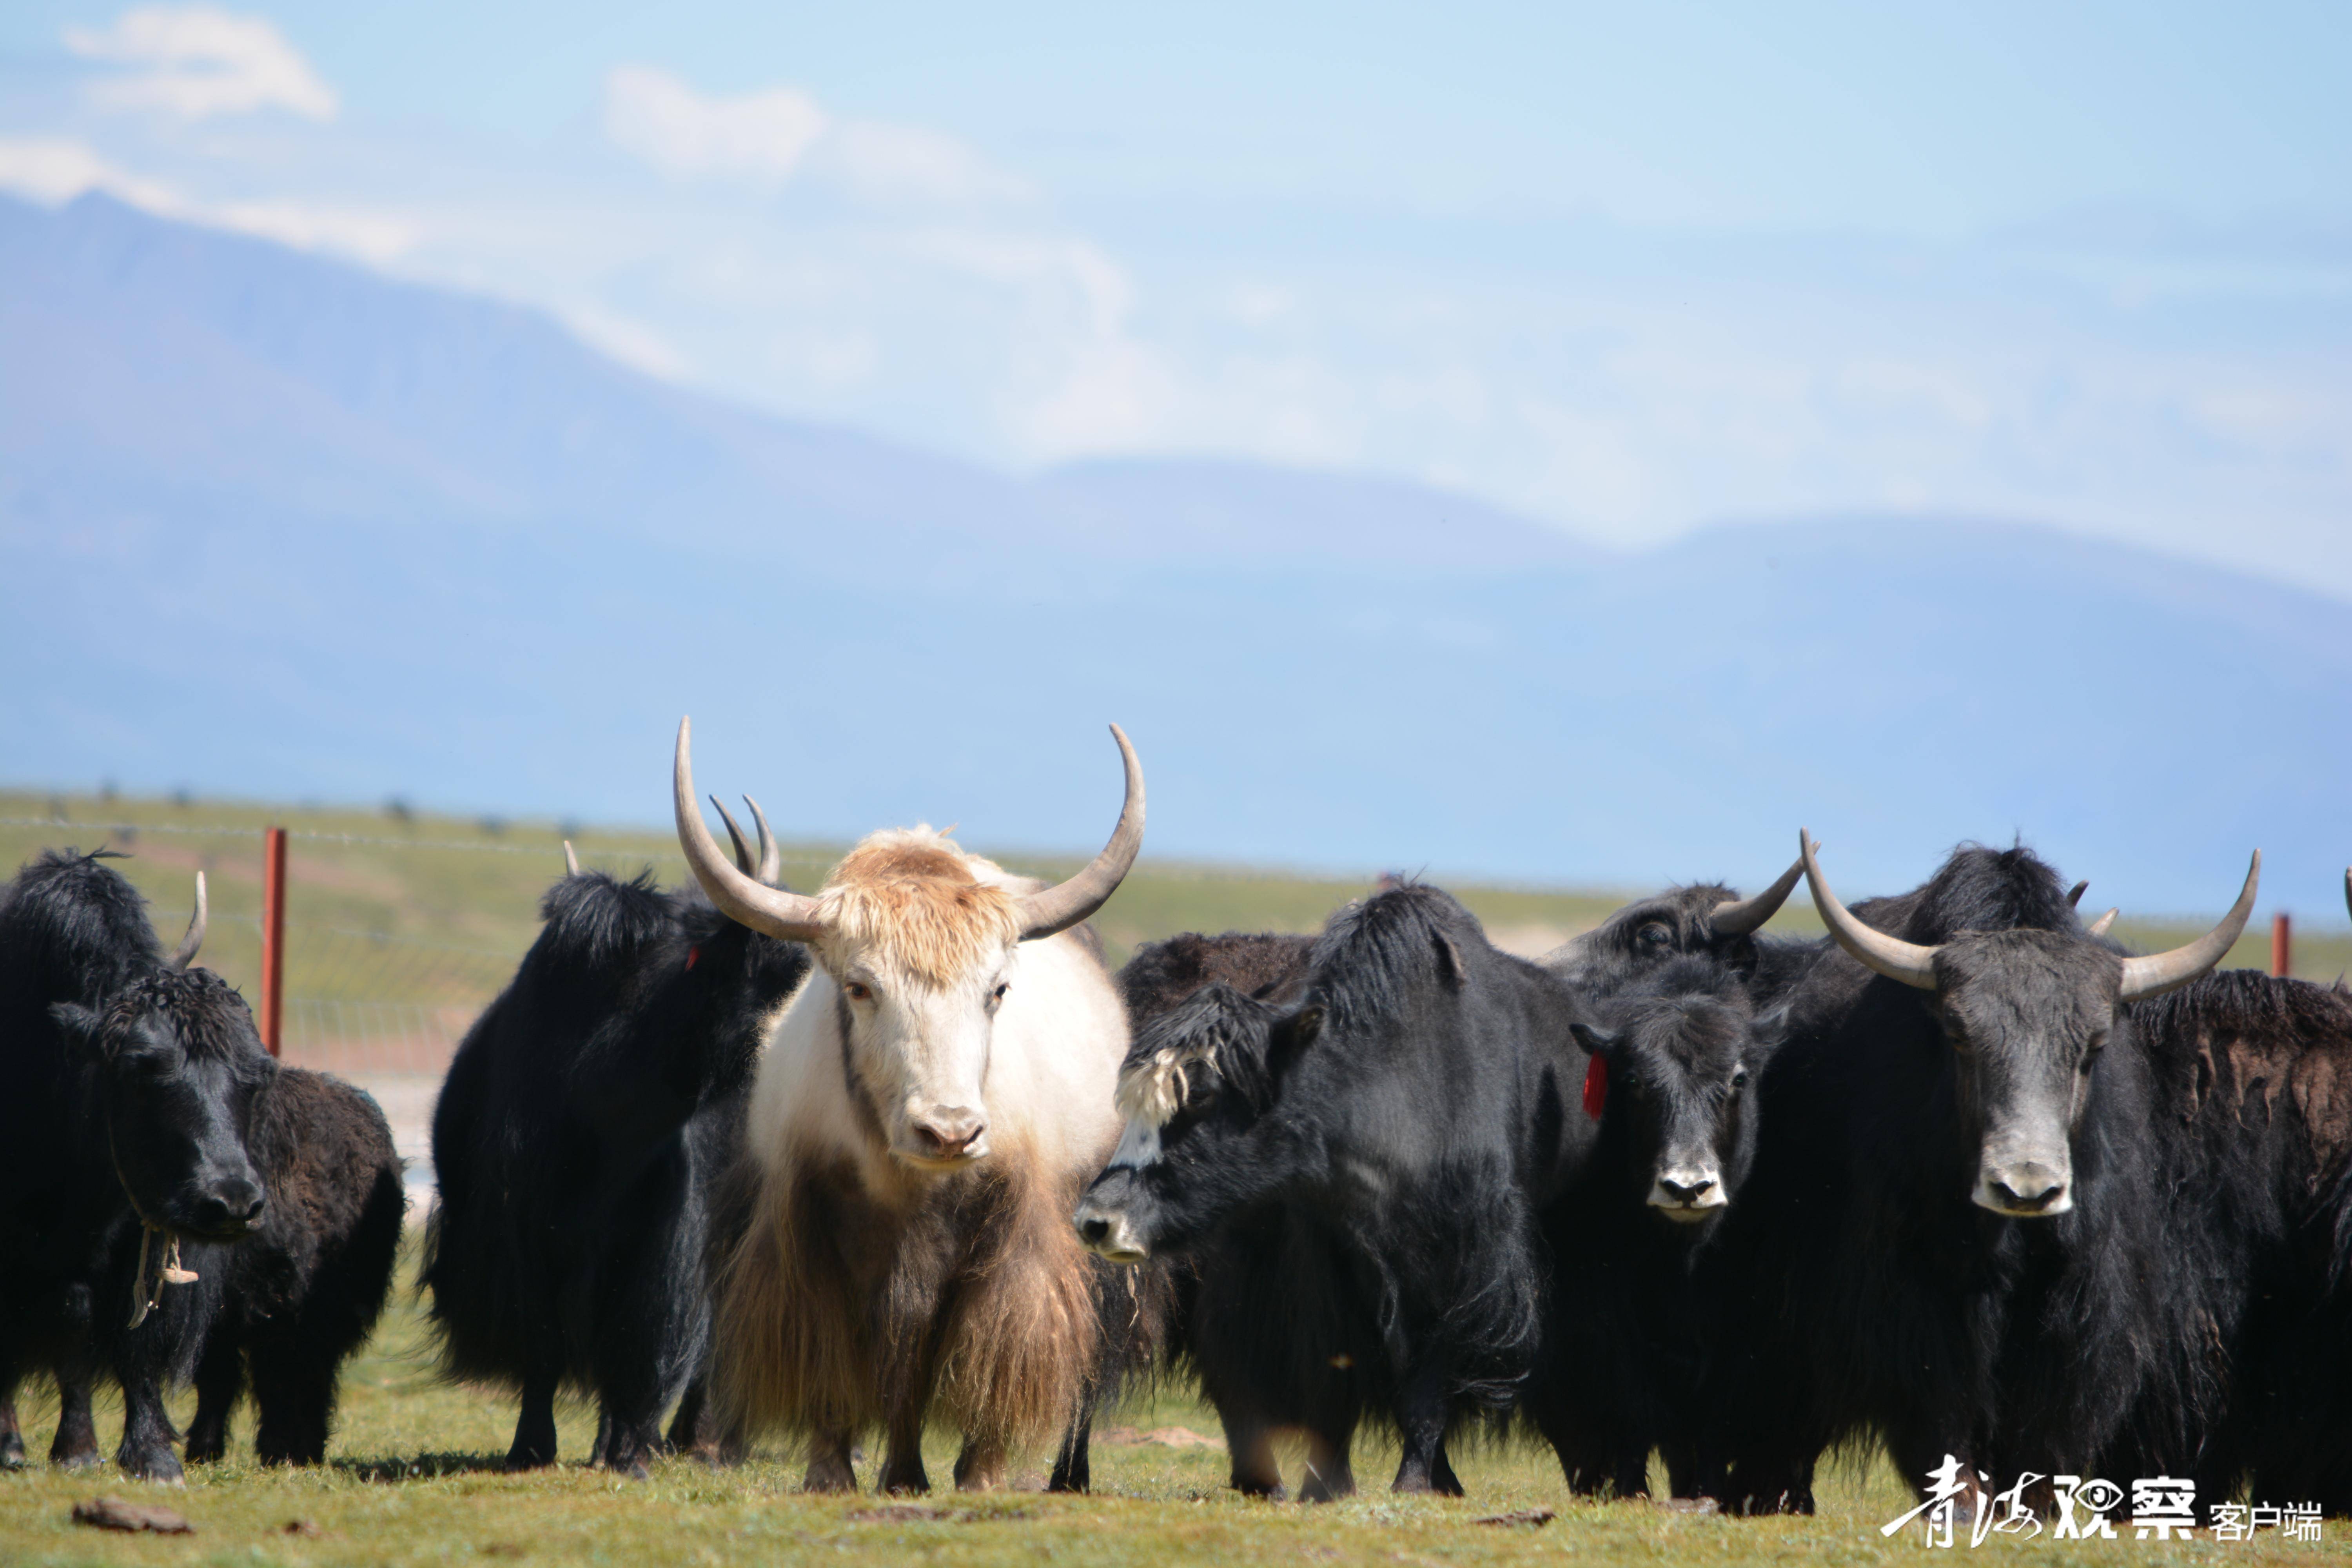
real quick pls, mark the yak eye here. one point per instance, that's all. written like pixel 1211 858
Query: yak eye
pixel 1001 988
pixel 1739 1078
pixel 1655 934
pixel 859 993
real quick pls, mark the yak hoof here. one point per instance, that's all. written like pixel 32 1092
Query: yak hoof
pixel 159 1465
pixel 831 1475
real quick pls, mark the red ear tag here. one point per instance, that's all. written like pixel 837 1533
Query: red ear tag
pixel 1596 1088
pixel 694 956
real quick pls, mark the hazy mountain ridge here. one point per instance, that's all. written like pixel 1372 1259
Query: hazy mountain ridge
pixel 272 524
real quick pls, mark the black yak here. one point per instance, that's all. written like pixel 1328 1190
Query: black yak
pixel 1955 1234
pixel 132 1083
pixel 1675 1050
pixel 1407 1116
pixel 305 1289
pixel 586 1121
pixel 2258 1072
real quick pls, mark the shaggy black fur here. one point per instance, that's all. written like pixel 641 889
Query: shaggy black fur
pixel 1406 1115
pixel 1624 1346
pixel 1162 974
pixel 585 1124
pixel 305 1289
pixel 1859 1291
pixel 130 1087
pixel 2259 1072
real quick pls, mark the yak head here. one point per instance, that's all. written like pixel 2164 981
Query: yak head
pixel 1680 1053
pixel 2025 1014
pixel 1195 1074
pixel 1704 918
pixel 179 1075
pixel 918 940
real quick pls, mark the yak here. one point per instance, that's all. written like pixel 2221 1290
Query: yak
pixel 1410 1112
pixel 2257 1072
pixel 305 1289
pixel 133 1084
pixel 924 1113
pixel 1255 1311
pixel 579 1140
pixel 1954 1233
pixel 1674 1053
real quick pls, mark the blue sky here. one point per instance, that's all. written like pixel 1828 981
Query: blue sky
pixel 1628 270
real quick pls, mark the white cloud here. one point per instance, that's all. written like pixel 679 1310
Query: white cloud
pixel 883 162
pixel 55 170
pixel 633 344
pixel 199 61
pixel 761 136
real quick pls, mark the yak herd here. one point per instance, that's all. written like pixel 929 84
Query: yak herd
pixel 1964 1177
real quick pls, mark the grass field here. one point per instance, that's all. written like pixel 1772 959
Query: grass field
pixel 413 1479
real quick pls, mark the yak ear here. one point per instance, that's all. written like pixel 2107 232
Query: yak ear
pixel 1449 962
pixel 1290 1036
pixel 1773 1027
pixel 79 1024
pixel 1598 1041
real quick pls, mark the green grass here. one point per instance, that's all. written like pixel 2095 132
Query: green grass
pixel 412 1477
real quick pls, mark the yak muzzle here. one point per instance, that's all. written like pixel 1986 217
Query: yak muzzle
pixel 945 1137
pixel 1687 1195
pixel 1111 1233
pixel 2025 1189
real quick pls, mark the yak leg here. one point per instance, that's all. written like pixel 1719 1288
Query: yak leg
pixel 75 1443
pixel 220 1383
pixel 1073 1467
pixel 1422 1422
pixel 534 1439
pixel 625 1439
pixel 145 1453
pixel 1249 1438
pixel 1329 1475
pixel 980 1468
pixel 829 1470
pixel 11 1436
pixel 695 1430
pixel 294 1400
pixel 902 1463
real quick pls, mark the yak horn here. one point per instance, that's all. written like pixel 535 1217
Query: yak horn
pixel 771 854
pixel 1738 917
pixel 2161 972
pixel 1060 907
pixel 185 953
pixel 1889 956
pixel 2347 888
pixel 571 859
pixel 739 897
pixel 2099 927
pixel 743 861
pixel 2074 895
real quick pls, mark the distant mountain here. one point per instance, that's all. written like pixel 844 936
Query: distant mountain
pixel 275 525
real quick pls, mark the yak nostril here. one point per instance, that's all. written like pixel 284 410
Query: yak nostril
pixel 943 1137
pixel 2042 1198
pixel 1686 1191
pixel 1092 1231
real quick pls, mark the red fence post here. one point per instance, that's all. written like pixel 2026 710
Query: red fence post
pixel 2282 946
pixel 273 936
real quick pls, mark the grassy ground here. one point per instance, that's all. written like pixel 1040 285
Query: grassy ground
pixel 412 1477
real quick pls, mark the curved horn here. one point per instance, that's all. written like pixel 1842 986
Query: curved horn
pixel 571 861
pixel 771 854
pixel 1060 907
pixel 2161 972
pixel 769 909
pixel 1738 917
pixel 1889 956
pixel 743 861
pixel 185 953
pixel 2074 895
pixel 2099 927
